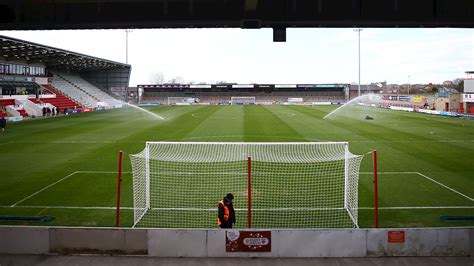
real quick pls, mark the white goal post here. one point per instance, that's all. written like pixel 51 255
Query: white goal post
pixel 275 185
pixel 181 100
pixel 242 100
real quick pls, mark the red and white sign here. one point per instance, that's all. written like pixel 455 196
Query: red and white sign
pixel 396 236
pixel 248 241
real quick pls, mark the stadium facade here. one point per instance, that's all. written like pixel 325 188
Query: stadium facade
pixel 36 77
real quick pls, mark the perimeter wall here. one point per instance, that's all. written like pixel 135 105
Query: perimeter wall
pixel 211 243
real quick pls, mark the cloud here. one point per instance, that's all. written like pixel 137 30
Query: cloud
pixel 308 56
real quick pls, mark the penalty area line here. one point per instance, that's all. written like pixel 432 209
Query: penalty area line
pixel 445 186
pixel 418 207
pixel 69 207
pixel 43 189
pixel 100 172
pixel 424 176
pixel 388 173
pixel 62 179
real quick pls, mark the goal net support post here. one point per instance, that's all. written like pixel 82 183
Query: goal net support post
pixel 275 185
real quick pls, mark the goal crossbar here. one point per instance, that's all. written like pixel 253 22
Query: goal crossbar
pixel 247 143
pixel 242 100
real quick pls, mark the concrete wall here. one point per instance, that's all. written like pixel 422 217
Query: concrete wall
pixel 211 243
pixel 421 242
pixel 43 240
pixel 299 243
pixel 24 240
pixel 96 240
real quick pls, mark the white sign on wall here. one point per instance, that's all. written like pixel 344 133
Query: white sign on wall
pixel 295 100
pixel 468 97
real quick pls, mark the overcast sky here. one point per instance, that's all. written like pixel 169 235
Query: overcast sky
pixel 247 56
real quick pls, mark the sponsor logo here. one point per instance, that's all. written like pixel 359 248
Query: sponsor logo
pixel 233 235
pixel 396 236
pixel 248 241
pixel 256 241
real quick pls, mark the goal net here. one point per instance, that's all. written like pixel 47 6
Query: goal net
pixel 275 185
pixel 181 100
pixel 242 100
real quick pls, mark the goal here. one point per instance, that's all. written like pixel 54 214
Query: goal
pixel 242 100
pixel 181 100
pixel 275 185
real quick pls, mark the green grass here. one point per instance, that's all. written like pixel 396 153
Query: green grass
pixel 35 154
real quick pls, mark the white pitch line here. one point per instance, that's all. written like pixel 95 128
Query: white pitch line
pixel 388 173
pixel 238 209
pixel 62 179
pixel 100 172
pixel 68 207
pixel 319 209
pixel 41 190
pixel 417 207
pixel 443 185
pixel 233 136
pixel 417 141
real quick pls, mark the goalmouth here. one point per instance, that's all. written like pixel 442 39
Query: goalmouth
pixel 181 100
pixel 275 185
pixel 242 100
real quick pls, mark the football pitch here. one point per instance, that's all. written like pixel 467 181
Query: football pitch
pixel 66 167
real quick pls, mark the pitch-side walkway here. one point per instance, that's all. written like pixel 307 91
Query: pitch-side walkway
pixel 105 260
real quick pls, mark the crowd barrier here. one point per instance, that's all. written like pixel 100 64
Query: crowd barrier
pixel 215 243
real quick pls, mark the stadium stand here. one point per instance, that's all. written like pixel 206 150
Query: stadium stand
pixel 34 100
pixel 78 81
pixel 215 94
pixel 22 112
pixel 73 92
pixel 61 101
pixel 85 86
pixel 3 113
pixel 5 102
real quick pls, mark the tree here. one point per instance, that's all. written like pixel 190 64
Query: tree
pixel 157 77
pixel 177 80
pixel 459 84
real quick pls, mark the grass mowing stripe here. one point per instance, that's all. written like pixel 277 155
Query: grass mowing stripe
pixel 312 125
pixel 229 121
pixel 43 189
pixel 179 127
pixel 259 120
pixel 443 185
pixel 403 141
